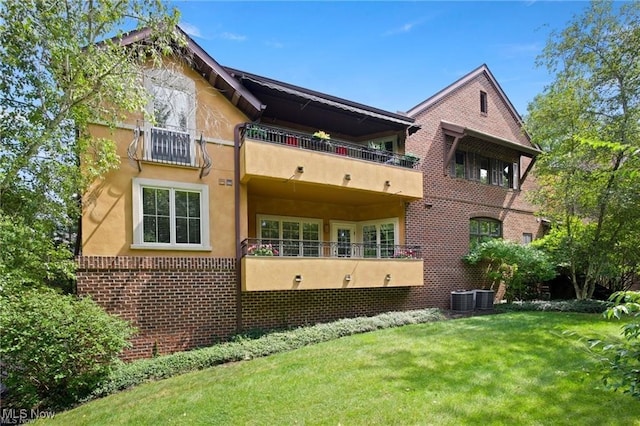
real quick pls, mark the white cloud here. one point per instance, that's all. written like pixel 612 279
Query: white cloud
pixel 274 44
pixel 191 29
pixel 405 28
pixel 233 37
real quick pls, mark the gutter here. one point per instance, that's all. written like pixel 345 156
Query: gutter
pixel 236 159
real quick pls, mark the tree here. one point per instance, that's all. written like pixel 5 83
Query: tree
pixel 62 67
pixel 587 122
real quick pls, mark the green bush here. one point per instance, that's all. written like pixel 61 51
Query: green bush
pixel 519 267
pixel 244 348
pixel 583 306
pixel 622 359
pixel 54 348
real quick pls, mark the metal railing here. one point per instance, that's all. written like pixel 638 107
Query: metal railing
pixel 168 146
pixel 307 141
pixel 301 248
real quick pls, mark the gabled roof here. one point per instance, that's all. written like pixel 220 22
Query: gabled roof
pixel 482 69
pixel 315 109
pixel 217 76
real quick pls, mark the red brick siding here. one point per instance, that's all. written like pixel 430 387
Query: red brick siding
pixel 176 303
pixel 440 222
pixel 183 303
pixel 277 309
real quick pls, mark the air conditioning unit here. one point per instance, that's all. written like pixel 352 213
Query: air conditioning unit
pixel 462 300
pixel 484 299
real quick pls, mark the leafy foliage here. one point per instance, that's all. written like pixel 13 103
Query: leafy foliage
pixel 30 258
pixel 55 349
pixel 518 266
pixel 243 348
pixel 581 306
pixel 588 123
pixel 62 69
pixel 622 359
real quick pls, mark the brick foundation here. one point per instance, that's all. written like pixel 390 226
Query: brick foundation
pixel 176 303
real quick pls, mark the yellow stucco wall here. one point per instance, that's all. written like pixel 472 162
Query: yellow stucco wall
pixel 262 159
pixel 275 273
pixel 327 212
pixel 107 219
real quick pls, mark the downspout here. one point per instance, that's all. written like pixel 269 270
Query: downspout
pixel 236 159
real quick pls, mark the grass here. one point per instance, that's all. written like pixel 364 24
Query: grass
pixel 515 368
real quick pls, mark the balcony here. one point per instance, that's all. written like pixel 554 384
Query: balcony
pixel 276 158
pixel 300 265
pixel 168 146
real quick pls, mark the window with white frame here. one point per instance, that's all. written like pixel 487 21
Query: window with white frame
pixel 379 238
pixel 170 215
pixel 173 107
pixel 291 236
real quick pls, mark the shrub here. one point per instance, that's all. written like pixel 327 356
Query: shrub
pixel 54 348
pixel 518 266
pixel 583 306
pixel 622 359
pixel 245 348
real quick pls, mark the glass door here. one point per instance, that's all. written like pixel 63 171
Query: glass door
pixel 344 237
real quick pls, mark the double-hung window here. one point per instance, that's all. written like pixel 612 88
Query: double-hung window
pixel 169 138
pixel 170 215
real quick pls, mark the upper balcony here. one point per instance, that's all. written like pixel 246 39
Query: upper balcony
pixel 284 156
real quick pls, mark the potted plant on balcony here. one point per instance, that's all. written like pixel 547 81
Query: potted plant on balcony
pixel 262 250
pixel 322 135
pixel 256 133
pixel 411 159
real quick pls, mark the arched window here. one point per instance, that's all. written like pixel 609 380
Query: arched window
pixel 482 228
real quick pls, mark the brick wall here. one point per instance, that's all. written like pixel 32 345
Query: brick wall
pixel 176 303
pixel 278 309
pixel 184 303
pixel 440 222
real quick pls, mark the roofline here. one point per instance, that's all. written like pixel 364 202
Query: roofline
pixel 461 82
pixel 467 131
pixel 311 94
pixel 193 47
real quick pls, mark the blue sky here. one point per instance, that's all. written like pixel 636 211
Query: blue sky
pixel 390 55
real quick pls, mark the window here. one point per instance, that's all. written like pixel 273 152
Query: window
pixel 170 215
pixel 527 238
pixel 491 171
pixel 379 238
pixel 291 236
pixel 483 228
pixel 173 109
pixel 484 107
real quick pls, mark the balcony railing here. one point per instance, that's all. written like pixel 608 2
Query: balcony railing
pixel 168 146
pixel 306 141
pixel 300 248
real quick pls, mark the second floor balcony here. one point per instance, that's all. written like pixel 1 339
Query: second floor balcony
pixel 277 157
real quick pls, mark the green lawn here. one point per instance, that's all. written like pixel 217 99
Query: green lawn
pixel 511 369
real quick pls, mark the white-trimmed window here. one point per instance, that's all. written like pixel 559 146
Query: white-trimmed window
pixel 291 236
pixel 170 215
pixel 379 237
pixel 173 107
